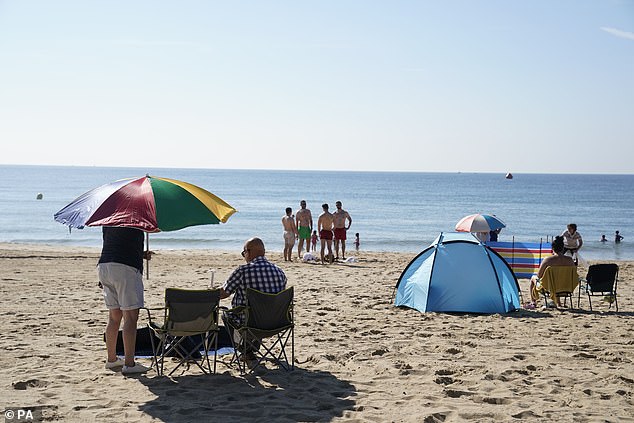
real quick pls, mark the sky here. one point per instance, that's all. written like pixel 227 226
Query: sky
pixel 432 86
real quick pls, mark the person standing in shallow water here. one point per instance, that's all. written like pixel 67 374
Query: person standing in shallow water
pixel 304 224
pixel 313 240
pixel 325 224
pixel 340 216
pixel 290 232
pixel 572 241
pixel 617 237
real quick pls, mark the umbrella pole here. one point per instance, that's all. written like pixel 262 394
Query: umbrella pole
pixel 147 255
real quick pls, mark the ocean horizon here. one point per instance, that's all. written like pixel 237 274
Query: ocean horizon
pixel 392 211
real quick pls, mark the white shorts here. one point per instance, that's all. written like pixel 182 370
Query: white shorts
pixel 122 286
pixel 289 237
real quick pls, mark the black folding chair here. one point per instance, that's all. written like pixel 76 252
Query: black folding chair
pixel 601 281
pixel 264 328
pixel 189 329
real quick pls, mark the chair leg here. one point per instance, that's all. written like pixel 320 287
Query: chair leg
pixel 206 351
pixel 614 300
pixel 158 360
pixel 216 349
pixel 154 359
pixel 590 300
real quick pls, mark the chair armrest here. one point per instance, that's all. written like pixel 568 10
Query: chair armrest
pixel 234 310
pixel 229 315
pixel 149 310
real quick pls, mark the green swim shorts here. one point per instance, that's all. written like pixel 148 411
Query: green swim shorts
pixel 304 232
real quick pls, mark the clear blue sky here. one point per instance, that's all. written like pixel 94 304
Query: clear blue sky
pixel 485 86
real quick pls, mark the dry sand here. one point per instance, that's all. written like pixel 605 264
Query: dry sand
pixel 358 357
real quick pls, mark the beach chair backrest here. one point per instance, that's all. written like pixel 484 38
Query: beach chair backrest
pixel 602 277
pixel 269 312
pixel 191 311
pixel 560 279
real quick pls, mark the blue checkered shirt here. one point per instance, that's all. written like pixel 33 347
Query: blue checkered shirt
pixel 258 274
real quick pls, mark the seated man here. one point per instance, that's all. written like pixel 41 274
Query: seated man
pixel 258 273
pixel 558 259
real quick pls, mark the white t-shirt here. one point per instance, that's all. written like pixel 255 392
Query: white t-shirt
pixel 571 241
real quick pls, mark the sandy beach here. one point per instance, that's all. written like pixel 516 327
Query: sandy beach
pixel 358 358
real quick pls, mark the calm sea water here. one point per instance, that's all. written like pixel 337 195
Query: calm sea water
pixel 400 212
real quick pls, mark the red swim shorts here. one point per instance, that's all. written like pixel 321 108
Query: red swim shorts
pixel 340 234
pixel 324 234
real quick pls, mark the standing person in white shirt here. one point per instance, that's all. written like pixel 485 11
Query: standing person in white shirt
pixel 572 241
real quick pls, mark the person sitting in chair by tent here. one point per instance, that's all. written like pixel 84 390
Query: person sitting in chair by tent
pixel 558 259
pixel 258 273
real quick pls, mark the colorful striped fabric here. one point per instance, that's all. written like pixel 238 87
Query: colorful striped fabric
pixel 523 257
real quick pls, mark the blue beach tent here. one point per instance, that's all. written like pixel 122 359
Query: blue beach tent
pixel 457 273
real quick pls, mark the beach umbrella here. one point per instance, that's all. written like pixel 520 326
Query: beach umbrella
pixel 479 223
pixel 149 203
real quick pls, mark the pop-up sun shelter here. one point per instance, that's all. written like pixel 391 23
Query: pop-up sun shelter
pixel 457 273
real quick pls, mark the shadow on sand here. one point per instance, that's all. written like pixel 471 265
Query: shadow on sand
pixel 268 395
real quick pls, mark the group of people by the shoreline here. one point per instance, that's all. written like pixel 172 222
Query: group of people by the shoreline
pixel 330 227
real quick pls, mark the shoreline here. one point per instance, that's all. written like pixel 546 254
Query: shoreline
pixel 358 358
pixel 62 248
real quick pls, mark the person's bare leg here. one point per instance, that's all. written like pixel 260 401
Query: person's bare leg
pixel 323 247
pixel 299 248
pixel 331 257
pixel 343 249
pixel 112 332
pixel 130 318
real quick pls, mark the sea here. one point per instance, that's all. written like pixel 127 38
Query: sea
pixel 391 211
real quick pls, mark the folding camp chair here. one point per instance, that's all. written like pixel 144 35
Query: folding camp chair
pixel 262 329
pixel 601 281
pixel 559 281
pixel 189 329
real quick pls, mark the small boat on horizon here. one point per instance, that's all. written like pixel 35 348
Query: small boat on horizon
pixel 509 175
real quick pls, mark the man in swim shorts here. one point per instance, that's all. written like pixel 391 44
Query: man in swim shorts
pixel 340 217
pixel 325 225
pixel 304 223
pixel 290 232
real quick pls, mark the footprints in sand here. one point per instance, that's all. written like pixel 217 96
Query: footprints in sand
pixel 31 383
pixel 455 393
pixel 453 351
pixel 444 380
pixel 436 417
pixel 518 357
